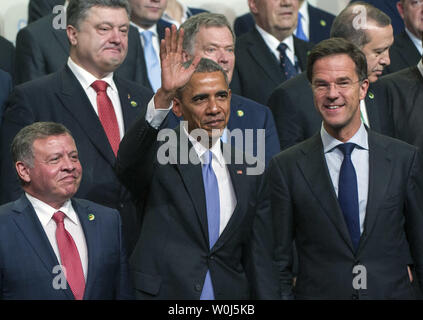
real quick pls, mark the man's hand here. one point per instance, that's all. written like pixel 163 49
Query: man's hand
pixel 174 75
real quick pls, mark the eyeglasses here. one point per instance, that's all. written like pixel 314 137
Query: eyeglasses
pixel 324 87
pixel 416 3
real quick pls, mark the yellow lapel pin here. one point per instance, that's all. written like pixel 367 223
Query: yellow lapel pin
pixel 91 217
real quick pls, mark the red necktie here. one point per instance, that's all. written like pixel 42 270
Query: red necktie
pixel 70 257
pixel 107 115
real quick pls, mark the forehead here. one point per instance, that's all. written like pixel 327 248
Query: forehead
pixel 53 143
pixel 380 37
pixel 212 34
pixel 206 82
pixel 100 14
pixel 334 66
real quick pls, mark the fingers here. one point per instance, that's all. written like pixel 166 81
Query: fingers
pixel 174 39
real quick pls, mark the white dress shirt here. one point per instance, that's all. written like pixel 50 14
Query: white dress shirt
pixel 360 160
pixel 185 12
pixel 416 41
pixel 72 225
pixel 420 67
pixel 305 19
pixel 86 79
pixel 273 44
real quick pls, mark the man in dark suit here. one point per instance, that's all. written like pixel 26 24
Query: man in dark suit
pixel 390 8
pixel 269 54
pixel 145 16
pixel 351 198
pixel 407 48
pixel 202 235
pixel 43 48
pixel 69 97
pixel 292 102
pixel 7 56
pixel 210 35
pixel 318 21
pixel 47 229
pixel 40 8
pixel 5 89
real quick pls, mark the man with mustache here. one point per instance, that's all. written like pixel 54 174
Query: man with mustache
pixel 89 99
pixel 203 234
pixel 54 246
pixel 292 102
pixel 269 54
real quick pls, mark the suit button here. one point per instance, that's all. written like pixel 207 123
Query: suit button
pixel 197 287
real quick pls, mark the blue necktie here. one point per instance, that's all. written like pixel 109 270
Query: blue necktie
pixel 286 65
pixel 151 60
pixel 300 31
pixel 213 216
pixel 348 193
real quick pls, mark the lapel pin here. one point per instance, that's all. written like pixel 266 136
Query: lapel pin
pixel 239 172
pixel 134 104
pixel 91 217
pixel 323 23
pixel 129 96
pixel 240 113
pixel 371 95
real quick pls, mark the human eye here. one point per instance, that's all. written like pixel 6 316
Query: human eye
pixel 343 84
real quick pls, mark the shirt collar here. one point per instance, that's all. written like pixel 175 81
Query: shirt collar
pixel 304 11
pixel 86 79
pixel 153 29
pixel 416 41
pixel 201 150
pixel 273 43
pixel 360 138
pixel 420 66
pixel 45 212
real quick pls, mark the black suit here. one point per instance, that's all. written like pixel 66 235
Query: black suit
pixel 403 53
pixel 404 90
pixel 59 97
pixel 7 56
pixel 5 89
pixel 42 49
pixel 305 207
pixel 257 71
pixel 172 255
pixel 40 8
pixel 297 119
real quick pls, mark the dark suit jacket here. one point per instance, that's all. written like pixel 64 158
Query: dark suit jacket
pixel 390 8
pixel 172 255
pixel 246 114
pixel 257 72
pixel 404 91
pixel 305 207
pixel 403 54
pixel 7 56
pixel 297 119
pixel 42 49
pixel 319 25
pixel 5 89
pixel 40 8
pixel 27 258
pixel 60 98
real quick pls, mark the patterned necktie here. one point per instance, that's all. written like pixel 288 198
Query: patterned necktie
pixel 213 216
pixel 300 34
pixel 348 193
pixel 286 65
pixel 70 257
pixel 107 115
pixel 151 60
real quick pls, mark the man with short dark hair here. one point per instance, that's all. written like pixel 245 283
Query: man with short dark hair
pixel 54 246
pixel 349 197
pixel 89 99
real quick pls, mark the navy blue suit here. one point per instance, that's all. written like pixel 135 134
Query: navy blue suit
pixel 27 259
pixel 7 56
pixel 319 26
pixel 5 88
pixel 246 114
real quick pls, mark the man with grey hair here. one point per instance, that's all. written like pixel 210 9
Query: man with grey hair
pixel 203 234
pixel 86 96
pixel 54 246
pixel 292 102
pixel 210 35
pixel 43 47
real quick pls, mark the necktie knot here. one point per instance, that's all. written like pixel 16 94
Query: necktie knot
pixel 282 48
pixel 347 148
pixel 100 86
pixel 207 158
pixel 147 35
pixel 58 217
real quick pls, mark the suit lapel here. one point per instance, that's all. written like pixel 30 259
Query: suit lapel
pixel 265 59
pixel 314 168
pixel 407 49
pixel 130 103
pixel 77 103
pixel 92 238
pixel 27 221
pixel 380 171
pixel 372 110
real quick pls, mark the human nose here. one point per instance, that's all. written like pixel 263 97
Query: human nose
pixel 385 60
